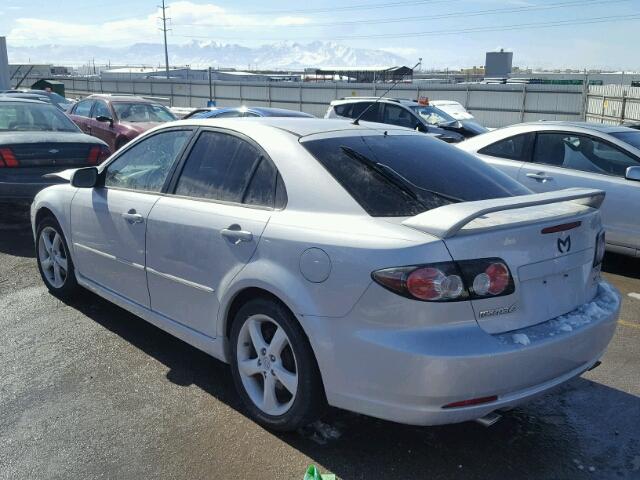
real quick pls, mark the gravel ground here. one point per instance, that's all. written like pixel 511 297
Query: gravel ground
pixel 88 390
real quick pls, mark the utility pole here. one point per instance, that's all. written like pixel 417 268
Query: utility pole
pixel 164 31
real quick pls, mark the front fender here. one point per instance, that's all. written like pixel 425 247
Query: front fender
pixel 57 199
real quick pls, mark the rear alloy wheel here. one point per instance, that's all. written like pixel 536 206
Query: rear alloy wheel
pixel 273 368
pixel 54 262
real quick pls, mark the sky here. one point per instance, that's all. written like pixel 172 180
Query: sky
pixel 444 33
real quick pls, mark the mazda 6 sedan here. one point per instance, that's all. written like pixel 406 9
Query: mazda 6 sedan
pixel 361 266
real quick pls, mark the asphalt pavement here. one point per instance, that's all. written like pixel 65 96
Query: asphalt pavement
pixel 88 391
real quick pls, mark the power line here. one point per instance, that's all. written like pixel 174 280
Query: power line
pixel 415 18
pixel 609 19
pixel 362 6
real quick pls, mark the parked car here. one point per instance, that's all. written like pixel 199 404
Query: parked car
pixel 376 269
pixel 36 139
pixel 197 111
pixel 633 124
pixel 453 108
pixel 406 113
pixel 118 119
pixel 249 112
pixel 49 97
pixel 547 156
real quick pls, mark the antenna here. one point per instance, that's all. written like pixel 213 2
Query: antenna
pixel 357 120
pixel 164 31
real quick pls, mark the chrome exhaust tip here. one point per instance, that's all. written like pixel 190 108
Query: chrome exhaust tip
pixel 489 419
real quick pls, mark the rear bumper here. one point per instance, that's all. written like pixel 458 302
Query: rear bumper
pixel 407 374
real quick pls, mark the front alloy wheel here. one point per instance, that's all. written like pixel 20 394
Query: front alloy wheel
pixel 54 261
pixel 53 258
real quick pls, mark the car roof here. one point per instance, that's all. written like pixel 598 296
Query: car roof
pixel 263 111
pixel 294 125
pixel 14 99
pixel 401 101
pixel 599 127
pixel 119 98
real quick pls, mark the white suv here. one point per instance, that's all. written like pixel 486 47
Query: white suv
pixel 405 113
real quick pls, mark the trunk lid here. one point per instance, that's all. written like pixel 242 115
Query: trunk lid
pixel 49 150
pixel 548 245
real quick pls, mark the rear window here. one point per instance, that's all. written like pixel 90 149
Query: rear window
pixel 34 117
pixel 404 175
pixel 632 138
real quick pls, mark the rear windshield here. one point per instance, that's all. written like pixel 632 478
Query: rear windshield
pixel 632 138
pixel 34 117
pixel 404 175
pixel 142 112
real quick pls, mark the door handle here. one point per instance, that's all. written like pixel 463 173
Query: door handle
pixel 132 217
pixel 540 177
pixel 236 235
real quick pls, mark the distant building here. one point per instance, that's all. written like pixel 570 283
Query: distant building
pixel 360 74
pixel 498 64
pixel 133 73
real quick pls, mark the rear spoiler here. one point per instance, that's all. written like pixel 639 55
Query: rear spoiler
pixel 447 221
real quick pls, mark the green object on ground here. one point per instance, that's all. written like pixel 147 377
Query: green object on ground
pixel 312 473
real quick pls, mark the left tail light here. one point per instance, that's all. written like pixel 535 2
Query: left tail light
pixel 449 281
pixel 7 158
pixel 97 154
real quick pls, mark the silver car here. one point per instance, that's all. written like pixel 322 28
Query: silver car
pixel 547 156
pixel 371 268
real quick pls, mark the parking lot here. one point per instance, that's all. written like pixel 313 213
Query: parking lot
pixel 91 391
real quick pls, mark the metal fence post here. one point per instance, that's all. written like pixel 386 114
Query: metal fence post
pixel 300 97
pixel 524 101
pixel 624 106
pixel 269 94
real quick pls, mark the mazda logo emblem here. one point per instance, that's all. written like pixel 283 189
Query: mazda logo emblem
pixel 564 245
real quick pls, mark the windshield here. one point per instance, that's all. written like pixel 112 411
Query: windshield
pixel 432 115
pixel 404 175
pixel 34 117
pixel 632 138
pixel 142 112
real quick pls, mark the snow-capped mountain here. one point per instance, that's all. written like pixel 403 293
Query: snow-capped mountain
pixel 285 55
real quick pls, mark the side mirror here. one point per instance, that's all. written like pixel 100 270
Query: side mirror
pixel 85 177
pixel 102 118
pixel 421 128
pixel 633 173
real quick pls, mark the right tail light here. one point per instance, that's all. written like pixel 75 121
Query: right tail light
pixel 449 281
pixel 601 246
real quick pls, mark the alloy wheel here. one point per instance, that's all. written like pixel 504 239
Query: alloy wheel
pixel 267 365
pixel 53 257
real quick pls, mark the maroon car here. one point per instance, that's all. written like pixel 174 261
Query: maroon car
pixel 118 119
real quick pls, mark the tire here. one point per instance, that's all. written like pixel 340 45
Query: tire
pixel 273 360
pixel 54 261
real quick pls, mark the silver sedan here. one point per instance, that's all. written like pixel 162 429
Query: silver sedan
pixel 547 156
pixel 368 267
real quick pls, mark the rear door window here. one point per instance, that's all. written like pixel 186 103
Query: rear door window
pixel 395 115
pixel 404 175
pixel 225 167
pixel 512 148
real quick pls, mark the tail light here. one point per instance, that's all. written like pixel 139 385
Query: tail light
pixel 7 158
pixel 600 249
pixel 97 154
pixel 449 281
